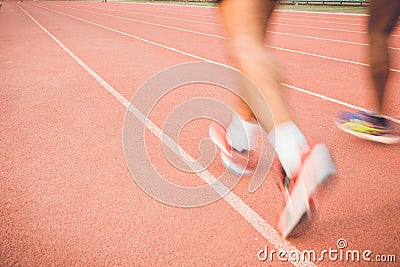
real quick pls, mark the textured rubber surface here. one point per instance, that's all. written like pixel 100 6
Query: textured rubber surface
pixel 67 198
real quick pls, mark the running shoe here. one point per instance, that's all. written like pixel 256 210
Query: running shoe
pixel 238 162
pixel 316 168
pixel 368 126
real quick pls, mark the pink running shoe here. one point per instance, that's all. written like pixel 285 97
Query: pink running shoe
pixel 317 167
pixel 235 161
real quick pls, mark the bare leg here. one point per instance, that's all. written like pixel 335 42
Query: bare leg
pixel 383 17
pixel 373 125
pixel 245 22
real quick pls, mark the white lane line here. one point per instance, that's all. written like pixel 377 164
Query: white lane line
pixel 335 101
pixel 325 22
pixel 209 60
pixel 327 39
pixel 323 13
pixel 231 198
pixel 215 36
pixel 319 38
pixel 167 4
pixel 318 28
pixel 208 15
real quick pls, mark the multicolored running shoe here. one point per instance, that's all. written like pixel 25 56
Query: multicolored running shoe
pixel 369 126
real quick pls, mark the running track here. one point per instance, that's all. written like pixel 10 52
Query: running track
pixel 67 197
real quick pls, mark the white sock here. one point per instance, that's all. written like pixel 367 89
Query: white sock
pixel 242 135
pixel 290 144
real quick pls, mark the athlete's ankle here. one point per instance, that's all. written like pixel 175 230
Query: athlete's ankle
pixel 242 135
pixel 290 145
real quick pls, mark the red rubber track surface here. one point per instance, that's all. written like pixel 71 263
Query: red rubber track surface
pixel 67 197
